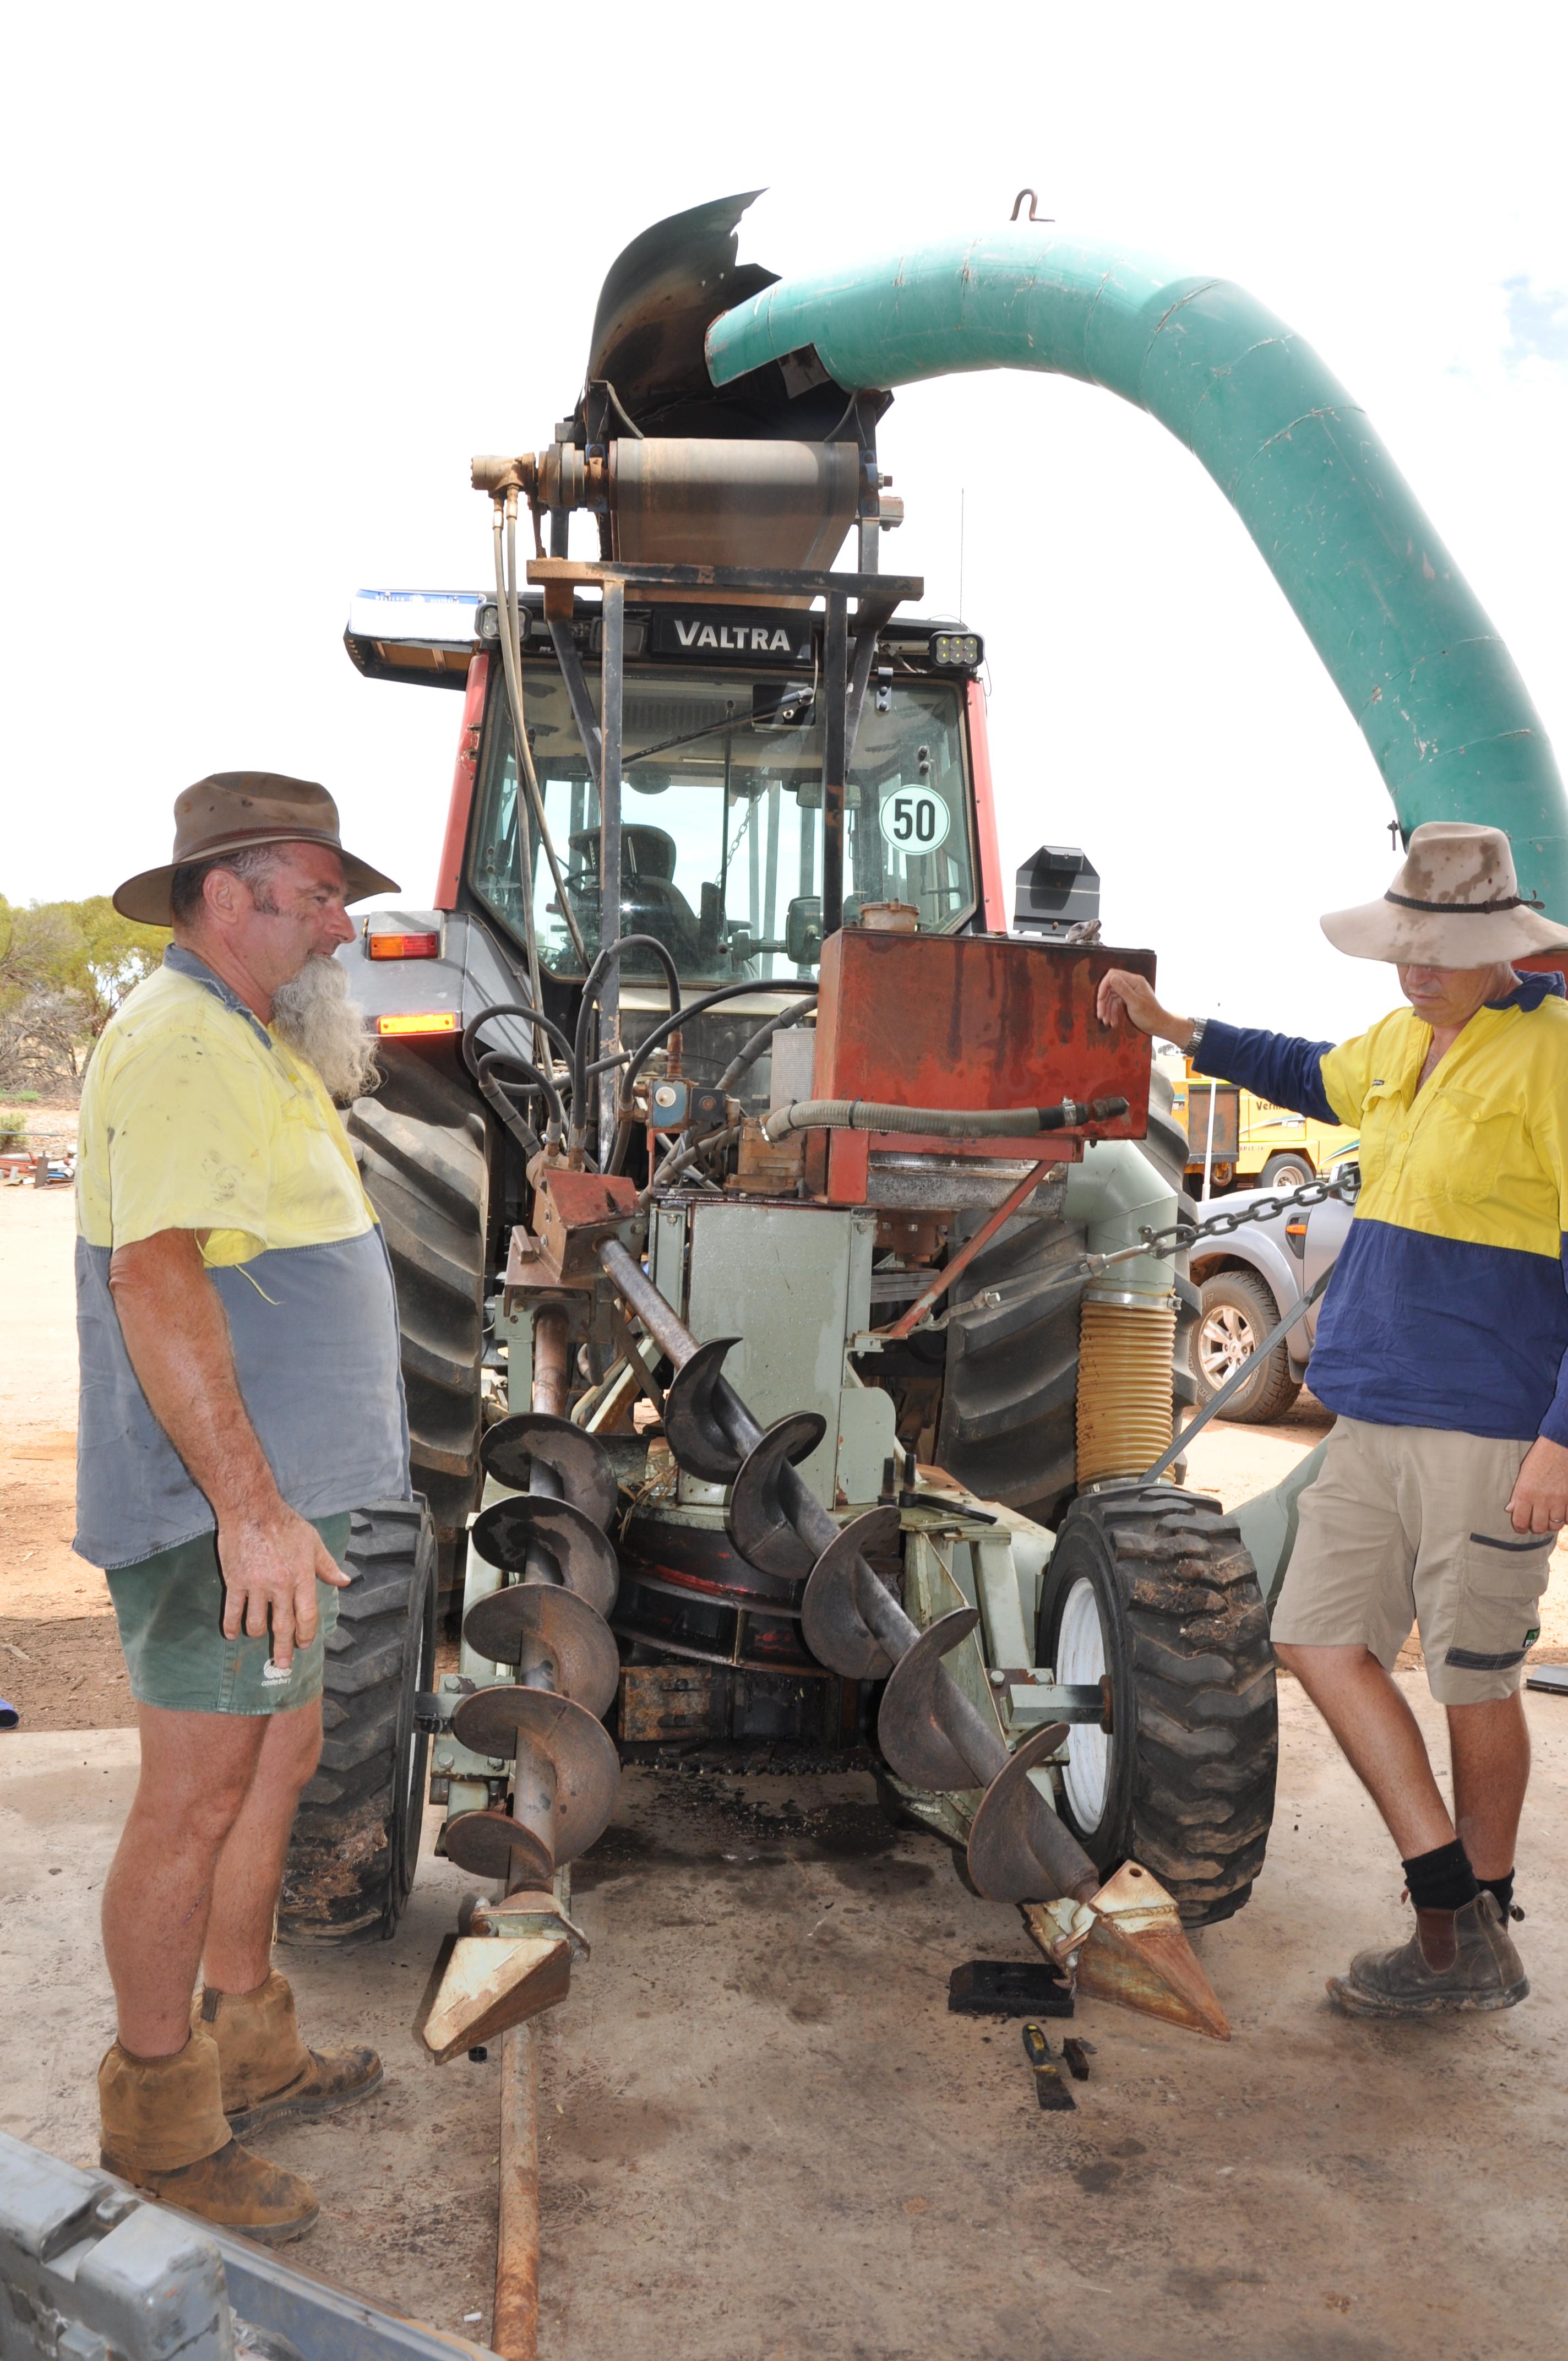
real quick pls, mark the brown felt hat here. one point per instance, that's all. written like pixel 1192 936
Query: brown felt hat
pixel 1455 903
pixel 231 812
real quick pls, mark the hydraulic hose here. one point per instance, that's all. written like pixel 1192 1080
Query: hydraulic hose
pixel 625 1112
pixel 610 957
pixel 942 1122
pixel 1428 681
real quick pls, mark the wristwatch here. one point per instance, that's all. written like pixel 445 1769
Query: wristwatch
pixel 1195 1046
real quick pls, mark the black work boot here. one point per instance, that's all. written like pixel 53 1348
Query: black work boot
pixel 1455 1959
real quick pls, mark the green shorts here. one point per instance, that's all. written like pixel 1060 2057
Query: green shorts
pixel 170 1610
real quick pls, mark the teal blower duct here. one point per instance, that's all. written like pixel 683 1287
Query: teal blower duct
pixel 1432 688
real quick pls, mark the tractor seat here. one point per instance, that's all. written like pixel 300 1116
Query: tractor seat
pixel 651 904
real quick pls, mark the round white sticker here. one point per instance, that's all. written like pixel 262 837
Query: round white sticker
pixel 915 819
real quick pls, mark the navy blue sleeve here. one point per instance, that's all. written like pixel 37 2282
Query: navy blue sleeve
pixel 1286 1072
pixel 1554 1425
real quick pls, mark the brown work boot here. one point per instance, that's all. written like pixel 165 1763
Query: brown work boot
pixel 267 2071
pixel 1455 1959
pixel 164 2131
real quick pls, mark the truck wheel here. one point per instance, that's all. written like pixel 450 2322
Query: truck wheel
pixel 421 1143
pixel 355 1841
pixel 1290 1169
pixel 1152 1585
pixel 1237 1314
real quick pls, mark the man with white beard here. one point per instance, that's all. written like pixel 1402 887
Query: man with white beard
pixel 240 1396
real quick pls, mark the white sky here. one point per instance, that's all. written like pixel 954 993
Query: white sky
pixel 274 274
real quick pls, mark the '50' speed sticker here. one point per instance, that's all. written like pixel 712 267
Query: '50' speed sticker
pixel 915 819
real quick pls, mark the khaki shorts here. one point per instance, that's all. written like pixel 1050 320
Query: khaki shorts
pixel 170 1610
pixel 1408 1524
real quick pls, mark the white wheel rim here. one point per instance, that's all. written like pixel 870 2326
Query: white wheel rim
pixel 1080 1658
pixel 1226 1338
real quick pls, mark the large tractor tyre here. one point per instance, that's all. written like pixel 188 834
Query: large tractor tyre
pixel 1152 1585
pixel 421 1146
pixel 356 1843
pixel 1236 1315
pixel 1009 1418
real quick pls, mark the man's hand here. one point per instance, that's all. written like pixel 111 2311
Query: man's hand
pixel 1123 994
pixel 271 1567
pixel 1539 1502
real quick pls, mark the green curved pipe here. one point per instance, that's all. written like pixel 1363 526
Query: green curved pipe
pixel 1406 644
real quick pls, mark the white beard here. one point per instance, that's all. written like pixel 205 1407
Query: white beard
pixel 313 1015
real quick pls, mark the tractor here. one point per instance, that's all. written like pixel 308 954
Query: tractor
pixel 791 1264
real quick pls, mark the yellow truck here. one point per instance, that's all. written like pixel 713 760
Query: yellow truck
pixel 1254 1145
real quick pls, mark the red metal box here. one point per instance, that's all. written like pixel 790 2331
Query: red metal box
pixel 976 1021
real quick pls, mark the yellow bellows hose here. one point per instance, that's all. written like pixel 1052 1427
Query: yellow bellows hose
pixel 1123 1385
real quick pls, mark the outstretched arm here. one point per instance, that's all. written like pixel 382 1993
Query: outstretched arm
pixel 1133 997
pixel 1276 1066
pixel 178 1341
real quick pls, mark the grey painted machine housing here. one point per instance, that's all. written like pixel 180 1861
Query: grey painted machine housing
pixel 90 2271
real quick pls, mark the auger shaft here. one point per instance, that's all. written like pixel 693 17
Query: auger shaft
pixel 929 1729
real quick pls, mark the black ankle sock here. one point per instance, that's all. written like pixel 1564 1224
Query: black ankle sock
pixel 1441 1879
pixel 1503 1887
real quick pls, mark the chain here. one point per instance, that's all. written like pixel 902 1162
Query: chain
pixel 1150 1242
pixel 1182 1234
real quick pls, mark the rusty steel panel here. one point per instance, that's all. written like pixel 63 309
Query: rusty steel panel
pixel 976 1021
pixel 664 1701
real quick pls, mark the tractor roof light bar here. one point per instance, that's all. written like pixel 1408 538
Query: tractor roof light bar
pixel 876 597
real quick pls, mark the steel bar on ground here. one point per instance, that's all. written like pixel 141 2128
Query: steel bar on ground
pixel 515 2333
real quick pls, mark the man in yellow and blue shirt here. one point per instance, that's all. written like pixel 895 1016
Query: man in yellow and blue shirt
pixel 1442 1348
pixel 240 1398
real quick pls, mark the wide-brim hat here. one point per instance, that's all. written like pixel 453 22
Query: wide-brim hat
pixel 233 811
pixel 1455 903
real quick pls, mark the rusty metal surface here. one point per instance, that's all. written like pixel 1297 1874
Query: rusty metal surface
pixel 576 1213
pixel 1018 1849
pixel 543 1730
pixel 969 1021
pixel 508 1531
pixel 692 1414
pixel 551 1360
pixel 492 1844
pixel 758 1523
pixel 966 1253
pixel 913 1719
pixel 833 1613
pixel 536 1615
pixel 665 1701
pixel 514 1446
pixel 514 2331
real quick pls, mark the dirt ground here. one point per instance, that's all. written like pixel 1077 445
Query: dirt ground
pixel 764 2137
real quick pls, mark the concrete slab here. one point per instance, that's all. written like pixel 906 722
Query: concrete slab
pixel 765 2136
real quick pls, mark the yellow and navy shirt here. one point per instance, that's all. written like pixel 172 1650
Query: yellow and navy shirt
pixel 1449 1304
pixel 195 1117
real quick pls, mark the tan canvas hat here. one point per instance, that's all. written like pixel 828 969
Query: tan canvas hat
pixel 229 813
pixel 1455 903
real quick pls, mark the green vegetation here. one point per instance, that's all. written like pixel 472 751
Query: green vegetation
pixel 64 968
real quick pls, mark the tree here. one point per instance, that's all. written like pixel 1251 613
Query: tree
pixel 64 968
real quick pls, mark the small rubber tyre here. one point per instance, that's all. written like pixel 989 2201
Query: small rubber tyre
pixel 1286 1170
pixel 1236 1313
pixel 356 1842
pixel 1152 1585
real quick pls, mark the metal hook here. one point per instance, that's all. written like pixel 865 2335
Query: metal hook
pixel 1032 216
